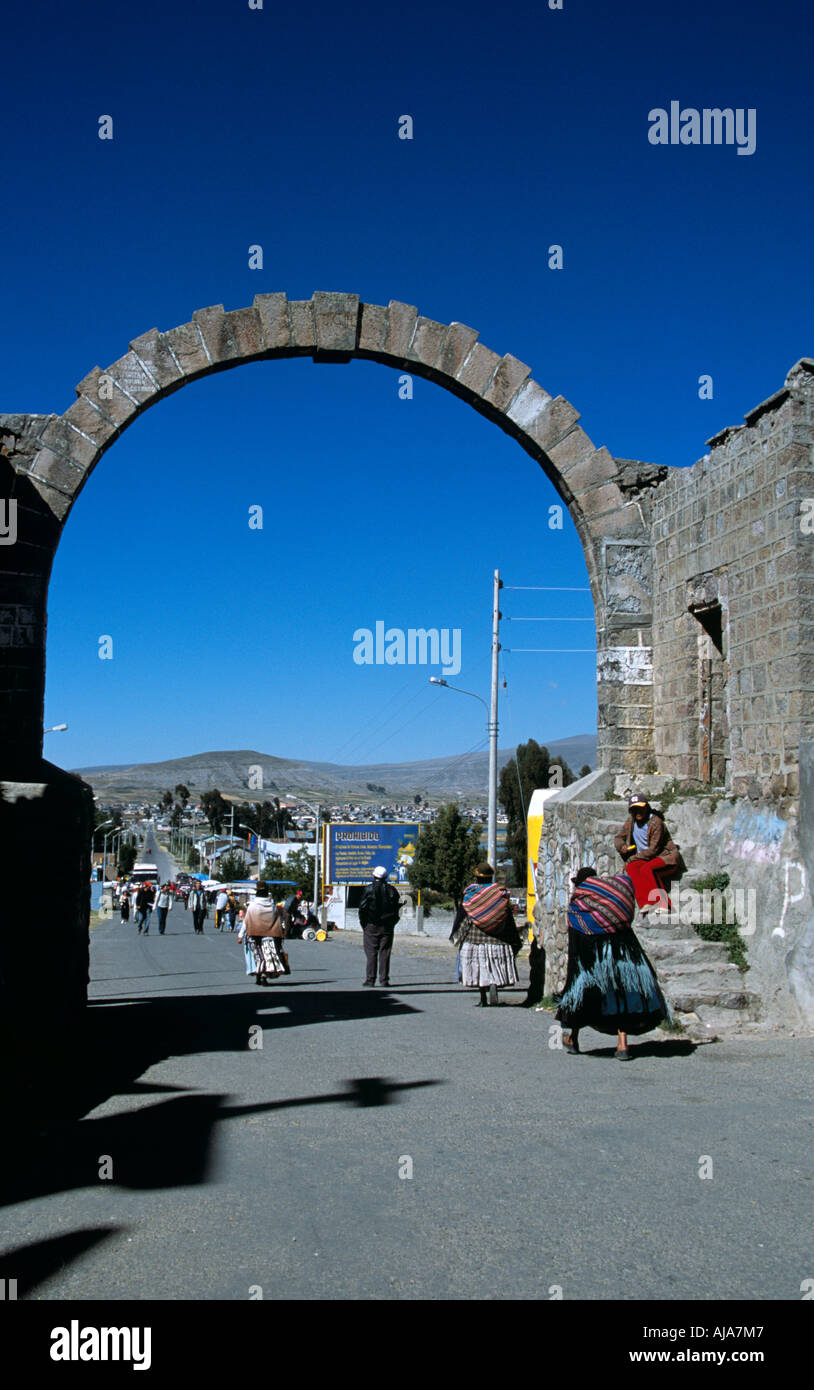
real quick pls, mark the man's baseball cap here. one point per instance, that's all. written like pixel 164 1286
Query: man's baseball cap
pixel 379 872
pixel 637 799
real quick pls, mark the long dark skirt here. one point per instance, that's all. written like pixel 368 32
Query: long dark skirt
pixel 610 985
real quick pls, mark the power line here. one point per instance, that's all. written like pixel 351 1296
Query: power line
pixel 549 620
pixel 516 650
pixel 547 589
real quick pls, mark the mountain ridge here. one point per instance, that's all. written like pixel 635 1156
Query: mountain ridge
pixel 235 774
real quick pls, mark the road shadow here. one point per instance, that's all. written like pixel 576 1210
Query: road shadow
pixel 679 1047
pixel 24 1268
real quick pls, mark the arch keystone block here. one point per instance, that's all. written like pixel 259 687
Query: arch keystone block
pixel 301 319
pixel 216 332
pixel 336 321
pixel 373 329
pixel 187 347
pixel 272 310
pixel 401 322
pixel 157 359
pixel 510 375
pixel 427 341
pixel 247 331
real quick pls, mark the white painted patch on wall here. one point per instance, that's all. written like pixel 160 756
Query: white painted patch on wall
pixel 625 665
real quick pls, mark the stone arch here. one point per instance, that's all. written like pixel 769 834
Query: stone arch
pixel 45 461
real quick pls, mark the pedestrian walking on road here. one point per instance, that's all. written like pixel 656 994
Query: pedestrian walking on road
pixel 124 903
pixel 610 984
pixel 264 926
pixel 379 912
pixel 145 898
pixel 486 932
pixel 220 908
pixel 231 909
pixel 650 857
pixel 164 905
pixel 200 909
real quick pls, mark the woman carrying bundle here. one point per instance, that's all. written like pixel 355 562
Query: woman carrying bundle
pixel 263 928
pixel 485 930
pixel 610 984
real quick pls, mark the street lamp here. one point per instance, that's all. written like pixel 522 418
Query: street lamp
pixel 101 826
pixel 55 729
pixel 259 849
pixel 491 729
pixel 315 812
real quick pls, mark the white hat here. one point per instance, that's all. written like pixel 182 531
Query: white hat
pixel 379 872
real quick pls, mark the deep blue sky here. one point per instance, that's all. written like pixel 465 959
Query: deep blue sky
pixel 279 127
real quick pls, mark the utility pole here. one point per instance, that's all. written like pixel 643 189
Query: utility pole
pixel 492 824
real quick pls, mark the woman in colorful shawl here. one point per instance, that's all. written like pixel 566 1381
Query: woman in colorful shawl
pixel 610 984
pixel 485 930
pixel 264 929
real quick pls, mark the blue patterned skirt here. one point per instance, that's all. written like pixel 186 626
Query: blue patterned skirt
pixel 610 985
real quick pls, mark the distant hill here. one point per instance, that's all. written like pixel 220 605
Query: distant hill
pixel 435 778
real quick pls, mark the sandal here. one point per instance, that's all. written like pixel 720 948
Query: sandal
pixel 570 1045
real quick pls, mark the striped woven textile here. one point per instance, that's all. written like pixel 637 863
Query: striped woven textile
pixel 486 905
pixel 602 905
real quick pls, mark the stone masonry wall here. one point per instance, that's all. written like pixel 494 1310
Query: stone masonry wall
pixel 727 531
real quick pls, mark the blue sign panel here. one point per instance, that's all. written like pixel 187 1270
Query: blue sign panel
pixel 355 850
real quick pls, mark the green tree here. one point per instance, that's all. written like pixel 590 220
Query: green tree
pixel 166 801
pixel 215 809
pixel 537 769
pixel 127 858
pixel 182 794
pixel 447 851
pixel 175 817
pixel 231 866
pixel 298 867
pixel 584 770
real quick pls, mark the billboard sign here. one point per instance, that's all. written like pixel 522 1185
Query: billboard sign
pixel 355 849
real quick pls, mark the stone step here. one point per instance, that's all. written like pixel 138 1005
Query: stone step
pixel 696 951
pixel 729 1006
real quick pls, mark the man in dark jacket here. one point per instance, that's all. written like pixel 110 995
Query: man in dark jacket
pixel 144 906
pixel 378 914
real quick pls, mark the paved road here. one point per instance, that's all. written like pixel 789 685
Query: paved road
pixel 234 1167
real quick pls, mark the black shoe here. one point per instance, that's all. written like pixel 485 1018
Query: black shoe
pixel 493 996
pixel 368 984
pixel 384 984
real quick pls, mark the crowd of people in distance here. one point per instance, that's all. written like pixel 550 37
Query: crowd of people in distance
pixel 610 983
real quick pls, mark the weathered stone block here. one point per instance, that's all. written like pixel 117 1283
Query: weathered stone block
pixel 506 382
pixel 59 473
pixel 132 379
pixel 187 347
pixel 458 343
pixel 551 425
pixel 478 369
pixel 87 418
pixel 336 319
pixel 60 438
pixel 247 331
pixel 216 331
pixel 99 386
pixel 401 322
pixel 157 358
pixel 427 341
pixel 301 319
pixel 530 404
pixel 373 330
pixel 272 310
